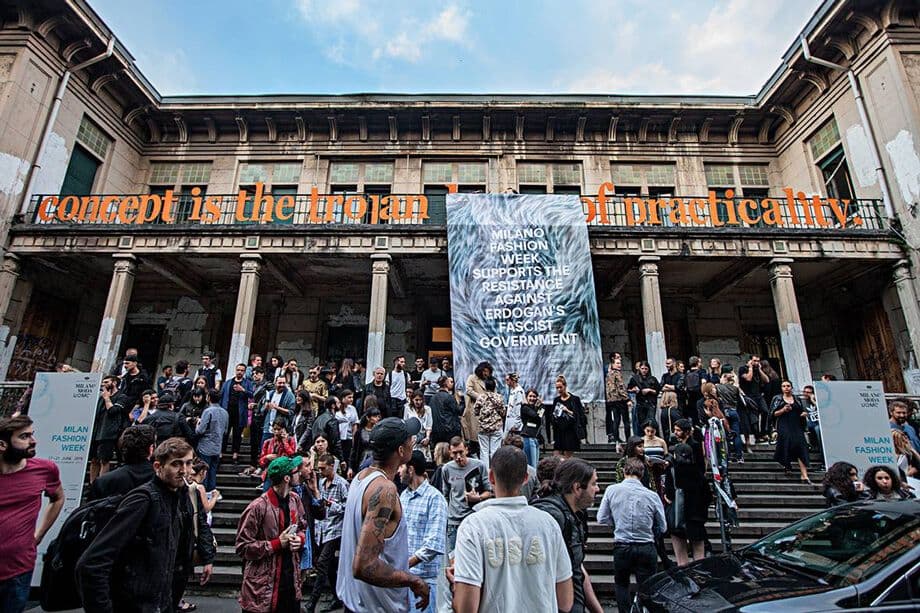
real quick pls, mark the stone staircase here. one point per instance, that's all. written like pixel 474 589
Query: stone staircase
pixel 767 500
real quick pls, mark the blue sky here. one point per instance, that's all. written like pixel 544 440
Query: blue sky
pixel 468 46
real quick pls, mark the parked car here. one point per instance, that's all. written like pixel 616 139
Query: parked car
pixel 859 556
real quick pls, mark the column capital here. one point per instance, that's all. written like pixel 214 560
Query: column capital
pixel 11 264
pixel 251 263
pixel 648 265
pixel 380 263
pixel 780 268
pixel 125 263
pixel 901 271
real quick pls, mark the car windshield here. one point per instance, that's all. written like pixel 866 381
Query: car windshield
pixel 844 545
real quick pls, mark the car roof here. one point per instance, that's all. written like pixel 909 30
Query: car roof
pixel 909 507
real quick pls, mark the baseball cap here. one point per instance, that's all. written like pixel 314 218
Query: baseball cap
pixel 392 432
pixel 284 466
pixel 130 357
pixel 418 462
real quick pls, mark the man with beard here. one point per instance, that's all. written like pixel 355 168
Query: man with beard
pixel 576 487
pixel 426 522
pixel 23 479
pixel 140 561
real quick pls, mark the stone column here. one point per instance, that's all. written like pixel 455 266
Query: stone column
pixel 910 308
pixel 251 272
pixel 116 308
pixel 651 314
pixel 377 318
pixel 9 274
pixel 791 336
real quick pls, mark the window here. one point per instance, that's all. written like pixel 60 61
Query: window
pixel 844 545
pixel 825 139
pixel 469 177
pixel 549 178
pixel 827 152
pixel 367 178
pixel 278 179
pixel 745 180
pixel 643 179
pixel 181 177
pixel 93 138
pixel 89 152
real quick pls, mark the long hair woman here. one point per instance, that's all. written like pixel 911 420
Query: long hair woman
pixel 568 420
pixel 791 445
pixel 842 485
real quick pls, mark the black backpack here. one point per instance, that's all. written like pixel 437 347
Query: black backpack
pixel 59 587
pixel 693 380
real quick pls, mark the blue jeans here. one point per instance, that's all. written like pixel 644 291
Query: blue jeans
pixel 532 450
pixel 735 448
pixel 14 593
pixel 213 462
pixel 451 537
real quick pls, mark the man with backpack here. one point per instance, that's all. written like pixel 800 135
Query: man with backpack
pixel 162 418
pixel 23 480
pixel 575 482
pixel 180 384
pixel 137 444
pixel 141 557
pixel 326 425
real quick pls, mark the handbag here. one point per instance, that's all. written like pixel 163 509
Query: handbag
pixel 674 514
pixel 749 403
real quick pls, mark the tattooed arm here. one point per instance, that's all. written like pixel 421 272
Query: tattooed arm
pixel 382 512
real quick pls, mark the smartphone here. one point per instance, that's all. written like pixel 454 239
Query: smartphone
pixel 291 530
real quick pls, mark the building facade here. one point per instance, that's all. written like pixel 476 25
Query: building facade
pixel 304 226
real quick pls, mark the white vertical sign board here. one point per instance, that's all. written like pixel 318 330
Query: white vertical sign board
pixel 854 423
pixel 63 409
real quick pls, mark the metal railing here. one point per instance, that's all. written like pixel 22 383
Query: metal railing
pixel 777 214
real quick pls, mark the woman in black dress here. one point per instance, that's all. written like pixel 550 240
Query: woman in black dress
pixel 568 420
pixel 790 442
pixel 645 386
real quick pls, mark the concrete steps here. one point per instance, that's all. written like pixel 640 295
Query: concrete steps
pixel 768 500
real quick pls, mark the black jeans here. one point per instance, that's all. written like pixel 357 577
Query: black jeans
pixel 631 558
pixel 327 567
pixel 234 432
pixel 255 441
pixel 617 412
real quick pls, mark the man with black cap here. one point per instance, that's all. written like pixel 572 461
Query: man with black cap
pixel 374 559
pixel 269 539
pixel 426 519
pixel 133 381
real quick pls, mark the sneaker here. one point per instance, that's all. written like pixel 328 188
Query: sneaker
pixel 611 438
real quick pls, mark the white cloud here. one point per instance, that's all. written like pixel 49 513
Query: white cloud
pixel 383 30
pixel 169 70
pixel 732 48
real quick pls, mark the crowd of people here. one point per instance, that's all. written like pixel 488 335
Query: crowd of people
pixel 402 493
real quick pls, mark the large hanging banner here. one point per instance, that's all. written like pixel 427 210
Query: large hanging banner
pixel 63 409
pixel 854 423
pixel 522 291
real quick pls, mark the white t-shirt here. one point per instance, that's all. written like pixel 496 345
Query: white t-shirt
pixel 346 420
pixel 508 543
pixel 430 381
pixel 397 381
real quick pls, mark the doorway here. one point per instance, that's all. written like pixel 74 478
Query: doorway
pixel 148 339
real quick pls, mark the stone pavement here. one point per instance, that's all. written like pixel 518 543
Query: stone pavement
pixel 206 604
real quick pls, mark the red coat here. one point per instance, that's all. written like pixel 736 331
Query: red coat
pixel 258 543
pixel 289 448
